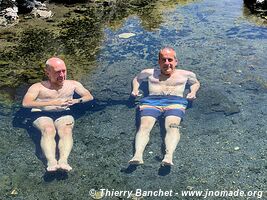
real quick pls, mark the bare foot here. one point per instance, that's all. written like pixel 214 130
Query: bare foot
pixel 52 166
pixel 167 161
pixel 136 161
pixel 64 166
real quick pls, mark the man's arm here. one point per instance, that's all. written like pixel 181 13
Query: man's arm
pixel 195 85
pixel 83 92
pixel 29 100
pixel 143 75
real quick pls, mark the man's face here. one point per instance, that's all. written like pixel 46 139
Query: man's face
pixel 57 73
pixel 167 62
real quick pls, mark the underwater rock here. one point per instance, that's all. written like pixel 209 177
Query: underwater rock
pixel 126 35
pixel 253 85
pixel 211 100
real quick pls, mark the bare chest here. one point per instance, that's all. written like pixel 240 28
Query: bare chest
pixel 173 81
pixel 63 93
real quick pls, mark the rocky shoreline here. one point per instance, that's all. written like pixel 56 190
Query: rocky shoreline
pixel 10 9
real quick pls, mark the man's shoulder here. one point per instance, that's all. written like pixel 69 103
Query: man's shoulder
pixel 72 82
pixel 183 71
pixel 145 73
pixel 148 70
pixel 37 85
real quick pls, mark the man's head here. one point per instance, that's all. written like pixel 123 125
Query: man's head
pixel 56 70
pixel 167 60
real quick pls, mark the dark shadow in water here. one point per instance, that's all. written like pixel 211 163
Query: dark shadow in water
pixel 22 119
pixel 161 122
pixel 132 102
pixel 130 169
pixel 99 104
pixel 164 170
pixel 58 175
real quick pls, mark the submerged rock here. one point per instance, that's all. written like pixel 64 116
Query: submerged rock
pixel 211 100
pixel 126 35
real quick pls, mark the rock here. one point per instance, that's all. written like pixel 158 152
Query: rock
pixel 9 16
pixel 212 100
pixel 126 35
pixel 97 195
pixel 253 85
pixel 11 13
pixel 42 13
pixel 80 10
pixel 258 7
pixel 3 21
pixel 14 192
pixel 236 148
pixel 26 6
pixel 7 4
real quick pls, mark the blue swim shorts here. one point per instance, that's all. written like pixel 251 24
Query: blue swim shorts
pixel 52 115
pixel 156 105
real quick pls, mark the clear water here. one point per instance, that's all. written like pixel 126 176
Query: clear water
pixel 218 40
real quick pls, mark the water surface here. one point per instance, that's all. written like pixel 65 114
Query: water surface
pixel 217 40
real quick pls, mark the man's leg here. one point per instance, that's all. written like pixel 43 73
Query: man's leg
pixel 64 127
pixel 48 143
pixel 172 138
pixel 142 138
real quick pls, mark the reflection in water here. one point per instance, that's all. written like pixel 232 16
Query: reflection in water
pixel 76 39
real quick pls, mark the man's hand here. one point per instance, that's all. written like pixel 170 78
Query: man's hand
pixel 191 96
pixel 71 102
pixel 136 93
pixel 63 102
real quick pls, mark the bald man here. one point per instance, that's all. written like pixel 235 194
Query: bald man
pixel 166 86
pixel 50 103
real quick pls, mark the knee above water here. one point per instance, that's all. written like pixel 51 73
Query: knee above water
pixel 65 131
pixel 145 127
pixel 49 131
